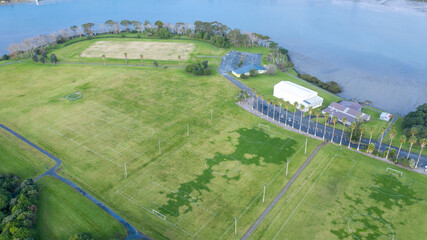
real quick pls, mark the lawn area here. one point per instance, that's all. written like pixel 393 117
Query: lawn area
pixel 399 132
pixel 345 195
pixel 71 52
pixel 64 212
pixel 195 160
pixel 20 159
pixel 264 84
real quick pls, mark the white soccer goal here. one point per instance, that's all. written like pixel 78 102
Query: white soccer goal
pixel 158 214
pixel 264 127
pixel 394 172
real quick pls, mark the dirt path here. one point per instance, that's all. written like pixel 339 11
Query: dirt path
pixel 279 196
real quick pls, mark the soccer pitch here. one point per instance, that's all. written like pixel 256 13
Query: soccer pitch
pixel 345 195
pixel 194 160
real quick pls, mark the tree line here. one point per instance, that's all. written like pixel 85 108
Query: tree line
pixel 331 86
pixel 18 208
pixel 356 129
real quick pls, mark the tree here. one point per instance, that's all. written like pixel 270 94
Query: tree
pixel 416 120
pixel 412 140
pixel 35 58
pixel 317 113
pixel 125 23
pixel 271 69
pixel 423 143
pixel 352 127
pixel 103 59
pixel 88 28
pixel 142 59
pixel 280 113
pixel 43 59
pixel 334 121
pixel 310 111
pixel 371 148
pixel 158 24
pixel 155 64
pixel 253 97
pixel 402 140
pixel 81 236
pixel 287 105
pixel 126 57
pixel 179 59
pixel 302 107
pixel 295 112
pixel 392 135
pixel 382 131
pixel 344 121
pixel 268 105
pixel 326 123
pixel 362 128
pixel 137 26
pixel 371 130
pixel 53 59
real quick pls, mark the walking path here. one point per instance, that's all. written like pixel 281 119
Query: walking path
pixel 280 195
pixel 133 233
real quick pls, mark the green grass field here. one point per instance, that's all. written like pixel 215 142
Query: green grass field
pixel 346 195
pixel 193 186
pixel 20 159
pixel 64 212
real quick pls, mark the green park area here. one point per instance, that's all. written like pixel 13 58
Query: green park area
pixel 174 155
pixel 345 195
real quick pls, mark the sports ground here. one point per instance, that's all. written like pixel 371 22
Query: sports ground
pixel 176 157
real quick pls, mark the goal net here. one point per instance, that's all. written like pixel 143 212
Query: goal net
pixel 158 214
pixel 264 127
pixel 394 172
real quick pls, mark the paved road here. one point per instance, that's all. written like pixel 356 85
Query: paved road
pixel 133 233
pixel 231 60
pixel 279 196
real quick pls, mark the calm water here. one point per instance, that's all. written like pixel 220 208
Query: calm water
pixel 377 50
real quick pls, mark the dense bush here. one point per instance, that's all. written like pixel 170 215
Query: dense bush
pixel 5 57
pixel 199 69
pixel 330 86
pixel 18 208
pixel 417 120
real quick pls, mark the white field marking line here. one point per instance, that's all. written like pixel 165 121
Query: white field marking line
pixel 114 150
pixel 139 205
pixel 309 190
pixel 129 151
pixel 60 134
pixel 79 134
pixel 102 156
pixel 347 219
pixel 241 214
pixel 169 155
pixel 160 206
pixel 286 143
pixel 284 167
pixel 378 188
pixel 253 141
pixel 200 229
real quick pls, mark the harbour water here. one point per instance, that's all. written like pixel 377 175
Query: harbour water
pixel 375 49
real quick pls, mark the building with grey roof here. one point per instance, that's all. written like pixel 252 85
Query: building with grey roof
pixel 346 109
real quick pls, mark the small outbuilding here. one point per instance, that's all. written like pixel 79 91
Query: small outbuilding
pixel 386 116
pixel 246 69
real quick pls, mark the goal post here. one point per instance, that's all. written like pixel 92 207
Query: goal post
pixel 264 127
pixel 394 172
pixel 158 214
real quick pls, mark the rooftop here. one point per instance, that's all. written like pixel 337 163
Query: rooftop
pixel 295 89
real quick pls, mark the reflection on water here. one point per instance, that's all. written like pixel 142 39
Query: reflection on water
pixel 374 48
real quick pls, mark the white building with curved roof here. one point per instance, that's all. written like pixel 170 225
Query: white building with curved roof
pixel 292 93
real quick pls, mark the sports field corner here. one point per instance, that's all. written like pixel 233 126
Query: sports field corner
pixel 351 196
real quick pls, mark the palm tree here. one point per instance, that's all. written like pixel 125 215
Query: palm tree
pixel 253 98
pixel 103 59
pixel 274 108
pixel 302 114
pixel 392 135
pixel 413 131
pixel 295 112
pixel 310 111
pixel 412 140
pixel 326 122
pixel 179 60
pixel 280 113
pixel 402 140
pixel 334 121
pixel 126 57
pixel 287 105
pixel 371 130
pixel 344 121
pixel 262 103
pixel 423 143
pixel 382 131
pixel 142 59
pixel 317 114
pixel 352 127
pixel 362 128
pixel 257 101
